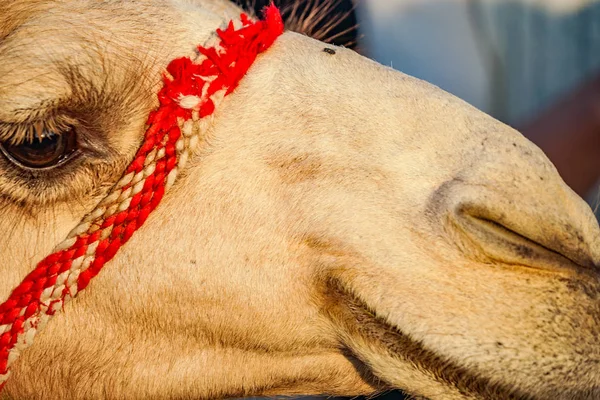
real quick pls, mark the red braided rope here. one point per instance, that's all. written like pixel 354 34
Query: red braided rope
pixel 190 91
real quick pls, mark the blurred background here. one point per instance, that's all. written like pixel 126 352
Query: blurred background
pixel 533 64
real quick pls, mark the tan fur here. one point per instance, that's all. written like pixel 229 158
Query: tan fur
pixel 329 237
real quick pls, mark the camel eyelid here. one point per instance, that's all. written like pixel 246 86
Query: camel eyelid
pixel 56 114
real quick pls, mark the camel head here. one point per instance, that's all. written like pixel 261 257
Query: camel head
pixel 341 228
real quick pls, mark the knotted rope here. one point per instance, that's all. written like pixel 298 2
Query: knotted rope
pixel 191 91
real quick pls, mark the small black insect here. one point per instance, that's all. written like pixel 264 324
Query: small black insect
pixel 328 50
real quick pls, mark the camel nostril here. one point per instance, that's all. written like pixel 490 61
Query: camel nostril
pixel 502 241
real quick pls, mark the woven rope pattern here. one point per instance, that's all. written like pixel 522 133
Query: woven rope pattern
pixel 191 91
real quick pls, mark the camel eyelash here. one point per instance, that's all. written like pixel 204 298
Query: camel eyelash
pixel 18 133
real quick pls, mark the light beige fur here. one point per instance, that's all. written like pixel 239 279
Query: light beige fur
pixel 344 228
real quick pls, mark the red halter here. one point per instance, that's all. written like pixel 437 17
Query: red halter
pixel 191 91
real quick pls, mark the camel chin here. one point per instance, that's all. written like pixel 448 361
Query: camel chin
pixel 342 229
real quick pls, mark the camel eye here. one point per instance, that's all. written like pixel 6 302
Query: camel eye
pixel 44 151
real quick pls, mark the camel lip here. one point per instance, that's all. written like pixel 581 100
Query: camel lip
pixel 361 319
pixel 450 373
pixel 511 247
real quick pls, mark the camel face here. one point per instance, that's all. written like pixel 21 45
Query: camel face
pixel 342 229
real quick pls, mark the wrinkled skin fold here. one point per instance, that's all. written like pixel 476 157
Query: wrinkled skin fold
pixel 343 228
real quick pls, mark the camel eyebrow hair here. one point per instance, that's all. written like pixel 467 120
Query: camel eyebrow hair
pixel 83 89
pixel 80 89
